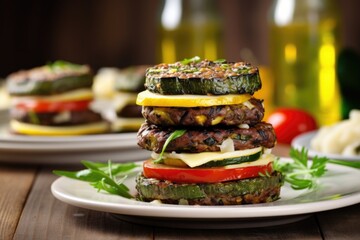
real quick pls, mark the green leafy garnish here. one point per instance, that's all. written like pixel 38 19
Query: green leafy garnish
pixel 173 136
pixel 108 177
pixel 33 117
pixel 303 173
pixel 191 60
pixel 60 64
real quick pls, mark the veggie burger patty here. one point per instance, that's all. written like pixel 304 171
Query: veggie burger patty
pixel 54 99
pixel 205 129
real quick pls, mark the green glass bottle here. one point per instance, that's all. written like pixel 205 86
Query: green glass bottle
pixel 304 43
pixel 189 28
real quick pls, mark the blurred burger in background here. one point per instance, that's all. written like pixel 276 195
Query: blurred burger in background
pixel 116 92
pixel 54 100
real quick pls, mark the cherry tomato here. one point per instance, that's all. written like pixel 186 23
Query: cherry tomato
pixel 201 175
pixel 290 122
pixel 49 106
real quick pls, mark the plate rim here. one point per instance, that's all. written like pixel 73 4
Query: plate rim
pixel 137 208
pixel 303 140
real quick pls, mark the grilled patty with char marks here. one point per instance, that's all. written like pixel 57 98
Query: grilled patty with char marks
pixel 196 140
pixel 206 116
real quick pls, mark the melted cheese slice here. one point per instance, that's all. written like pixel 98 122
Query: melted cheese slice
pixel 198 159
pixel 31 129
pixel 79 94
pixel 147 98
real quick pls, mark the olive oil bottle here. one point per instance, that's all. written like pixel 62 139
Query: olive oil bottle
pixel 304 44
pixel 189 28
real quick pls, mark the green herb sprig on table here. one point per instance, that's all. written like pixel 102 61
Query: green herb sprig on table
pixel 108 176
pixel 302 173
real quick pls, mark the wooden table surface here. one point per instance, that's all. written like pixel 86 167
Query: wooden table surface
pixel 28 210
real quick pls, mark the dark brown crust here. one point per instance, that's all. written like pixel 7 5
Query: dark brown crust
pixel 47 119
pixel 228 115
pixel 195 140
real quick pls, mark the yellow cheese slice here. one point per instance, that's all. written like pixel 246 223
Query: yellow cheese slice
pixel 198 159
pixel 147 98
pixel 126 124
pixel 79 94
pixel 32 129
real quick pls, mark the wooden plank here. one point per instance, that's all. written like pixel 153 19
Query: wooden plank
pixel 305 229
pixel 44 217
pixel 15 184
pixel 341 223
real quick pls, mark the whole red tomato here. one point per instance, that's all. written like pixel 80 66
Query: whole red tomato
pixel 290 122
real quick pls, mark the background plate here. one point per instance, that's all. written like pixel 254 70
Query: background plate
pixel 303 140
pixel 120 147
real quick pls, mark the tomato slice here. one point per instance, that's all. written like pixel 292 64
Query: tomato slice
pixel 47 106
pixel 201 175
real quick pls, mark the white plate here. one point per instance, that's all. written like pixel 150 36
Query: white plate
pixel 120 147
pixel 292 206
pixel 303 140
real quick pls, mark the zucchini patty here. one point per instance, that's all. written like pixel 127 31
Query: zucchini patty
pixel 196 140
pixel 65 118
pixel 203 78
pixel 206 116
pixel 51 79
pixel 246 191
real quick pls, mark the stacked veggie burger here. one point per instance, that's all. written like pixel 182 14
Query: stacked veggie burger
pixel 53 100
pixel 204 128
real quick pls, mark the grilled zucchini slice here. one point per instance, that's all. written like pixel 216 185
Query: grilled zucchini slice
pixel 55 78
pixel 203 78
pixel 245 191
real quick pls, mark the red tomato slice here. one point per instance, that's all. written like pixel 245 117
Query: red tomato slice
pixel 201 175
pixel 290 122
pixel 45 106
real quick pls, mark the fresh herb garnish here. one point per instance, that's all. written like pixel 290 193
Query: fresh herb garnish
pixel 108 177
pixel 60 64
pixel 191 60
pixel 173 136
pixel 303 173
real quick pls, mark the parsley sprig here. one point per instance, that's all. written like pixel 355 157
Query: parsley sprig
pixel 108 176
pixel 302 173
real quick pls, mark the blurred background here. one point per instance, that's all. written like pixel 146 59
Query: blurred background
pixel 112 33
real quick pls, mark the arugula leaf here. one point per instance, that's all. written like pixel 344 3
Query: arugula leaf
pixel 107 177
pixel 173 136
pixel 353 164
